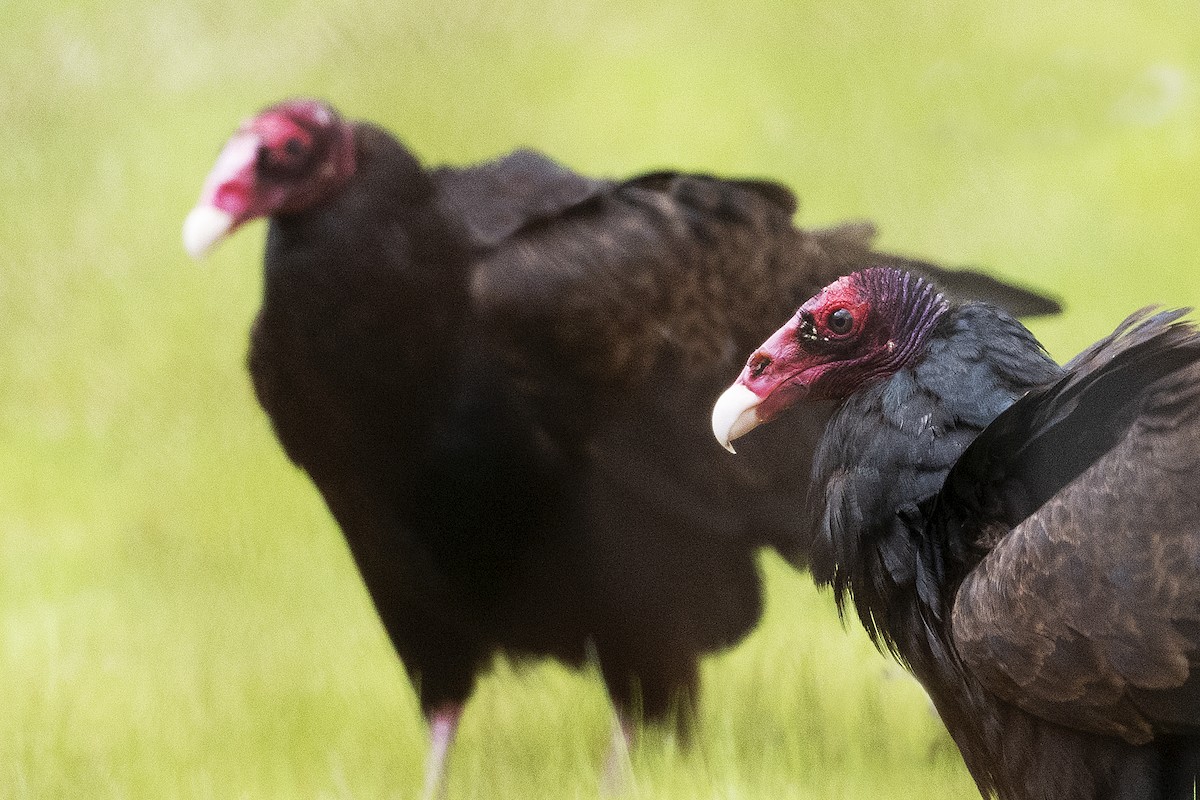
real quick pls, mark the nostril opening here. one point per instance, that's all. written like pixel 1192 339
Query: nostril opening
pixel 759 363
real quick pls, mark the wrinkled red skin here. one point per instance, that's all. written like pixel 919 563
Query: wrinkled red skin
pixel 799 361
pixel 262 169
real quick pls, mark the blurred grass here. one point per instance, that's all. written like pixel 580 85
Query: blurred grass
pixel 178 615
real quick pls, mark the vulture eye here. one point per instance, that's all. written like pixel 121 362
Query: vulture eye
pixel 840 321
pixel 286 157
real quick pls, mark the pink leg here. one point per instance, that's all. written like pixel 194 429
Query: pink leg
pixel 618 769
pixel 443 723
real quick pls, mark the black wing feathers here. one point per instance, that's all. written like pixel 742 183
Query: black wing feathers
pixel 496 199
pixel 1049 437
pixel 1086 608
pixel 668 267
pixel 969 284
pixel 697 190
pixel 847 247
pixel 663 268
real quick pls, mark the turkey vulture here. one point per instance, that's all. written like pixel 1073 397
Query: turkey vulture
pixel 498 378
pixel 1024 537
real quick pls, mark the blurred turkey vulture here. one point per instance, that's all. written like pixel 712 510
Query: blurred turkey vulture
pixel 1025 537
pixel 498 377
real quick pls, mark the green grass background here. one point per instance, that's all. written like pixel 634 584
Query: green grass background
pixel 178 615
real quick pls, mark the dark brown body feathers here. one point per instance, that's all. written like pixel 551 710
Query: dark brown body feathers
pixel 499 379
pixel 1025 538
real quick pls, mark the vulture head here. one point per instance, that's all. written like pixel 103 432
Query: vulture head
pixel 862 328
pixel 285 160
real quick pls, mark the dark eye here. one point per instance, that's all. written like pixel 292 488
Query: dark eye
pixel 288 157
pixel 840 321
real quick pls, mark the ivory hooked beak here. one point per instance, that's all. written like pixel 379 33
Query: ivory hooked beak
pixel 203 228
pixel 735 414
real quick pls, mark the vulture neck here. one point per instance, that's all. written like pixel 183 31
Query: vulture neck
pixel 381 232
pixel 368 291
pixel 885 453
pixel 888 449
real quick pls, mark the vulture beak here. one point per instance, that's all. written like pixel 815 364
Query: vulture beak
pixel 227 199
pixel 772 380
pixel 735 414
pixel 203 228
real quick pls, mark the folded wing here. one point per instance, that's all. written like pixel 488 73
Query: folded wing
pixel 1087 609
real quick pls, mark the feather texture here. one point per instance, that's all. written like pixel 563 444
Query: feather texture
pixel 498 376
pixel 1026 538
